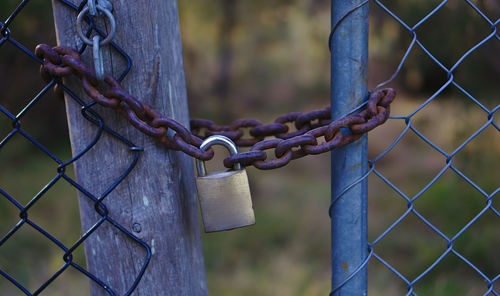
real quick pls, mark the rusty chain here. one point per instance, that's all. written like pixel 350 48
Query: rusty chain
pixel 314 132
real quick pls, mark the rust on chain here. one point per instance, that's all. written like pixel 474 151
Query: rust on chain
pixel 290 136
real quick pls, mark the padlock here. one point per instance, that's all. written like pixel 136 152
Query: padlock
pixel 224 196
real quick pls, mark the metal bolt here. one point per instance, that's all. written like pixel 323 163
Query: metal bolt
pixel 137 227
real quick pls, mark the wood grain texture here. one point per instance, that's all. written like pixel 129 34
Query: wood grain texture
pixel 158 199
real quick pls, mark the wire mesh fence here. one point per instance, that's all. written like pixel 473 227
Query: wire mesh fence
pixel 448 242
pixel 447 239
pixel 60 173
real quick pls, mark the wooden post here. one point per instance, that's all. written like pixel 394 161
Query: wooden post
pixel 157 202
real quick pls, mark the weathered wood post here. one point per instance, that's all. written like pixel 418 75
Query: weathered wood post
pixel 157 201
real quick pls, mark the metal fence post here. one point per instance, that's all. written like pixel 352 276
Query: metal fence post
pixel 349 55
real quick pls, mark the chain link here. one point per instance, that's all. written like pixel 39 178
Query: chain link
pixel 314 132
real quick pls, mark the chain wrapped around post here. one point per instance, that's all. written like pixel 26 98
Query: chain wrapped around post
pixel 314 132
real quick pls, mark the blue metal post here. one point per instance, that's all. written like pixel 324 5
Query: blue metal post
pixel 349 57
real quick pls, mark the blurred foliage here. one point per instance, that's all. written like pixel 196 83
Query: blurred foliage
pixel 265 58
pixel 457 24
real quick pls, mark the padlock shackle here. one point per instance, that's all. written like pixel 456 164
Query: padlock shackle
pixel 216 140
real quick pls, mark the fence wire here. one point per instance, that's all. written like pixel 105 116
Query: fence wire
pixel 61 175
pixel 376 246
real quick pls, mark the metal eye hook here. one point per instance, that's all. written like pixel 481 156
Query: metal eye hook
pixel 92 4
pixel 95 9
pixel 92 7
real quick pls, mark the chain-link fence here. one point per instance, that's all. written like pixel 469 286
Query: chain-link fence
pixel 443 253
pixel 455 185
pixel 60 174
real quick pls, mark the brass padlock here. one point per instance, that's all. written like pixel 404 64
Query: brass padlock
pixel 224 196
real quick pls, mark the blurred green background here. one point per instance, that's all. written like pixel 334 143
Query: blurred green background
pixel 263 59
